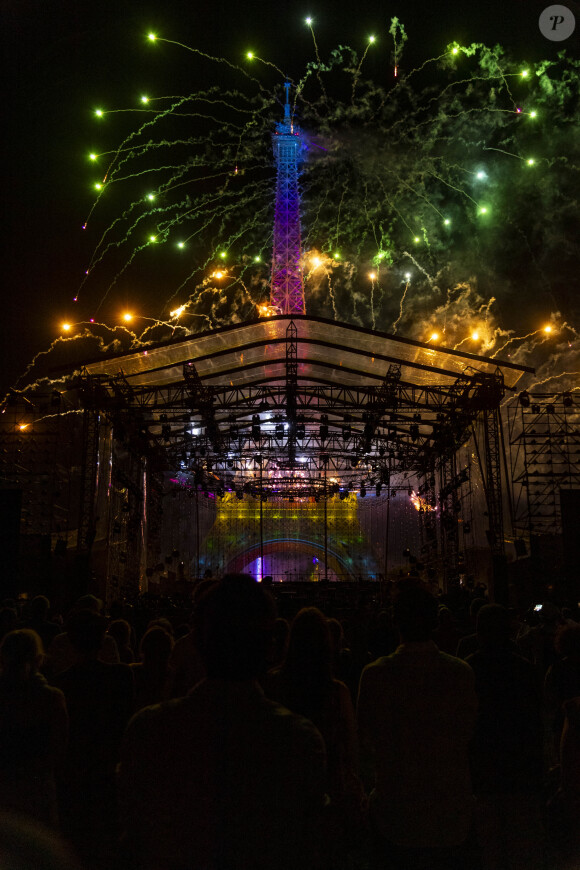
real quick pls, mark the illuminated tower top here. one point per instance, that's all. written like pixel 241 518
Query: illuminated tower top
pixel 287 289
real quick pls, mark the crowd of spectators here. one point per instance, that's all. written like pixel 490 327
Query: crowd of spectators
pixel 395 732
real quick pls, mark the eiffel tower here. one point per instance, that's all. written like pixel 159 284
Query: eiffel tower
pixel 287 288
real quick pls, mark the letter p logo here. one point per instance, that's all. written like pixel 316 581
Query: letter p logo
pixel 557 23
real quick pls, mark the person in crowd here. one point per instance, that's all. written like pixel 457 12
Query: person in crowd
pixel 341 655
pixel 61 653
pixel 416 713
pixel 507 747
pixel 305 684
pixel 28 845
pixel 186 667
pixel 356 633
pixel 537 636
pixel 384 638
pixel 468 643
pixel 100 702
pixel 8 620
pixel 152 672
pixel 120 630
pixel 562 682
pixel 446 635
pixel 33 730
pixel 568 617
pixel 280 636
pixel 566 806
pixel 224 778
pixel 36 618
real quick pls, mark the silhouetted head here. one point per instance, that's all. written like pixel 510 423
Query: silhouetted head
pixel 414 611
pixel 494 624
pixel 567 643
pixel 309 646
pixel 21 652
pixel 156 645
pixel 445 617
pixel 336 635
pixel 39 607
pixel 86 630
pixel 121 631
pixel 233 626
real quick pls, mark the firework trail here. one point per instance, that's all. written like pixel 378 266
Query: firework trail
pixel 462 167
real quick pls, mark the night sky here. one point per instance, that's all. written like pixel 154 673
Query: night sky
pixel 66 58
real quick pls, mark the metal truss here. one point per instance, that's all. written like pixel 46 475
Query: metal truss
pixel 427 512
pixel 544 435
pixel 88 482
pixel 292 390
pixel 450 506
pixel 215 432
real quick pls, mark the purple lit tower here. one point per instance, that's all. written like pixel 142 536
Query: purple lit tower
pixel 287 290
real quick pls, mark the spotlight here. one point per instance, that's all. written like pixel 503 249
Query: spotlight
pixel 567 400
pixel 524 399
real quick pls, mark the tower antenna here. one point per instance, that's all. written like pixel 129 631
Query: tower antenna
pixel 287 287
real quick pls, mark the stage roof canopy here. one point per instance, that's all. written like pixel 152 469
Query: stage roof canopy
pixel 297 394
pixel 331 353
